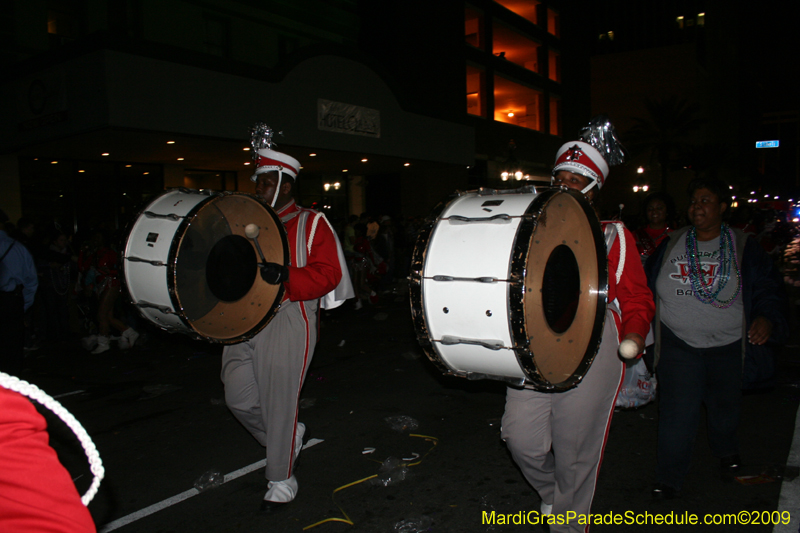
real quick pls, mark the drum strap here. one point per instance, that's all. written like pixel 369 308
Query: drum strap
pixel 613 230
pixel 301 252
pixel 344 290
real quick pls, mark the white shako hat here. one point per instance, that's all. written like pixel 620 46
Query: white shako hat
pixel 591 156
pixel 268 160
pixel 582 158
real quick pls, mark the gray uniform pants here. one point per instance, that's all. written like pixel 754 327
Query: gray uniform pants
pixel 557 439
pixel 263 378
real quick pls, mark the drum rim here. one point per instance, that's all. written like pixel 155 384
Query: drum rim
pixel 516 288
pixel 172 257
pixel 416 298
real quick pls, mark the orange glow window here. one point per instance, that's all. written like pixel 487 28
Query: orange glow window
pixel 515 47
pixel 516 104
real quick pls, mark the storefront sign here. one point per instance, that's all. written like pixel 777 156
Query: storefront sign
pixel 347 118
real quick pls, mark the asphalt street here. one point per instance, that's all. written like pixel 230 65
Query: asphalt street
pixel 372 400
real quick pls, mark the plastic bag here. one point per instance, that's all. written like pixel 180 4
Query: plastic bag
pixel 417 524
pixel 638 387
pixel 391 472
pixel 402 423
pixel 209 480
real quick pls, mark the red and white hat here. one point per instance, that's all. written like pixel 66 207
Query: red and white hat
pixel 269 160
pixel 584 159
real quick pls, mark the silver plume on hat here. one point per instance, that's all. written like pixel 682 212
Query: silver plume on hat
pixel 600 133
pixel 261 137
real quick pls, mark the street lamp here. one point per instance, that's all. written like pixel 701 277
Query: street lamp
pixel 511 169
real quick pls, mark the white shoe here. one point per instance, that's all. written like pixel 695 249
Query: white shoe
pixel 281 491
pixel 103 345
pixel 128 338
pixel 546 508
pixel 89 343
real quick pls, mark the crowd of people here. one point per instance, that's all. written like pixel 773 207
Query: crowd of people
pixel 78 285
pixel 378 252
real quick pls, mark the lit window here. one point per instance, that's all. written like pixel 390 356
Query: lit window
pixel 525 9
pixel 553 24
pixel 555 116
pixel 701 19
pixel 554 65
pixel 473 28
pixel 679 20
pixel 63 20
pixel 476 91
pixel 525 104
pixel 514 47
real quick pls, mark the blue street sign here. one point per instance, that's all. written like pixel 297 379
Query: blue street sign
pixel 768 144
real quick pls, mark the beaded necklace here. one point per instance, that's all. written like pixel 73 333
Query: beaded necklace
pixel 703 291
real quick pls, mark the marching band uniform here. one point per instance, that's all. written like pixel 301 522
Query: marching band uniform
pixel 264 375
pixel 557 438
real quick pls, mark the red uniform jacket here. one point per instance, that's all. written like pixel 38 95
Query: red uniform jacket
pixel 322 271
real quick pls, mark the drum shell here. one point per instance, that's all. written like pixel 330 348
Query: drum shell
pixel 492 311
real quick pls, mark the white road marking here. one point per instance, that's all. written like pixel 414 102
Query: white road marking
pixel 147 511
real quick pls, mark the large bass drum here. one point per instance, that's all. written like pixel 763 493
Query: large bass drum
pixel 189 266
pixel 511 285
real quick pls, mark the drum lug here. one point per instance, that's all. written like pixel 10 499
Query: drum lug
pixel 171 216
pixel 489 344
pixel 162 308
pixel 514 382
pixel 140 260
pixel 496 219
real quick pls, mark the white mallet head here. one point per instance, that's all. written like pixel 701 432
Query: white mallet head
pixel 628 349
pixel 251 230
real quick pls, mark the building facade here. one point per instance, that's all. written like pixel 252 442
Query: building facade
pixel 109 102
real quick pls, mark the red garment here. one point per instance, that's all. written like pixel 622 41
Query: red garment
pixel 648 239
pixel 632 294
pixel 322 272
pixel 104 261
pixel 36 491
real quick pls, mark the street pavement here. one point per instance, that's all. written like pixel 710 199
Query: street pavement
pixel 157 416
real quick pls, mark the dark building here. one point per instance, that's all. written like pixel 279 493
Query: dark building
pixel 105 104
pixel 692 86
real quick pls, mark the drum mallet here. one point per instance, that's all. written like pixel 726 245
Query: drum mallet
pixel 251 230
pixel 272 273
pixel 628 349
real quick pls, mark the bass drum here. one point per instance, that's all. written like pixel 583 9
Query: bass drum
pixel 190 268
pixel 511 285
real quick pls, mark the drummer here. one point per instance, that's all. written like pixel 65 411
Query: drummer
pixel 263 376
pixel 557 438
